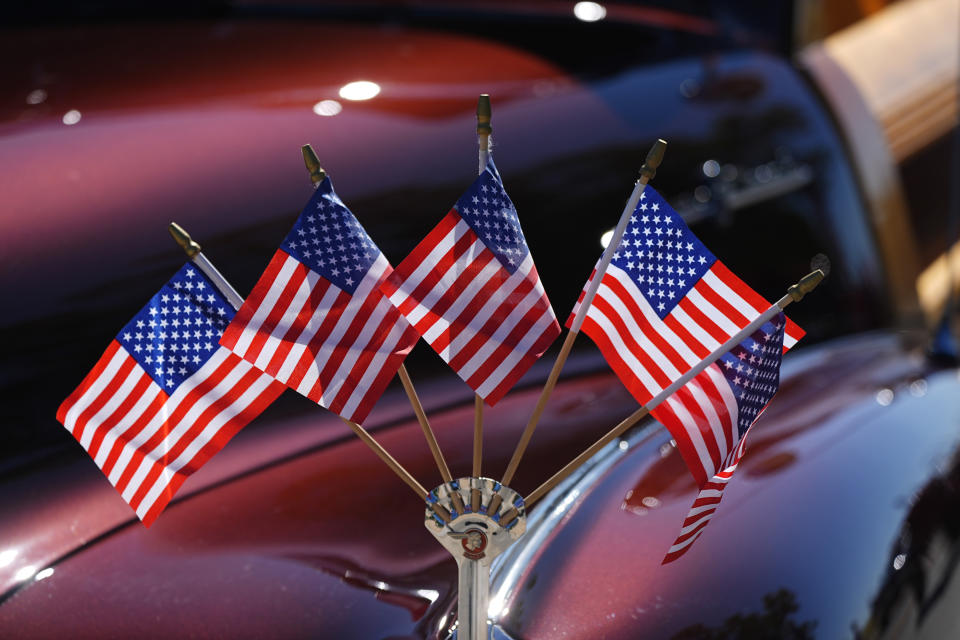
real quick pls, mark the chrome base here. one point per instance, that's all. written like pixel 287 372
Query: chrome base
pixel 474 538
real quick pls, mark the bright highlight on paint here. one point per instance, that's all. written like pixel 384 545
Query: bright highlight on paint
pixel 359 90
pixel 71 117
pixel 327 108
pixel 606 238
pixel 589 11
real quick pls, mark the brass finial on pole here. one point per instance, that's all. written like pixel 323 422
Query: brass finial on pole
pixel 647 171
pixel 794 294
pixel 317 175
pixel 310 159
pixel 182 238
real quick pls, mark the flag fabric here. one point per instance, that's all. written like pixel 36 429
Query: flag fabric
pixel 711 416
pixel 165 397
pixel 666 302
pixel 470 288
pixel 316 319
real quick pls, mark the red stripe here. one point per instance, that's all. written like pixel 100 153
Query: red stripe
pixel 721 305
pixel 283 302
pixel 309 356
pixel 685 397
pixel 542 343
pixel 249 308
pixel 470 270
pixel 647 362
pixel 218 406
pixel 118 415
pixel 173 420
pixel 410 264
pixel 353 379
pixel 664 415
pixel 104 396
pixel 651 332
pixel 436 272
pixel 510 343
pixel 346 343
pixel 307 312
pixel 477 299
pixel 496 319
pixel 703 321
pixel 88 382
pixel 715 397
pixel 752 298
pixel 386 373
pixel 131 432
pixel 612 356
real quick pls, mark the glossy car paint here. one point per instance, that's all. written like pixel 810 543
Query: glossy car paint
pixel 285 533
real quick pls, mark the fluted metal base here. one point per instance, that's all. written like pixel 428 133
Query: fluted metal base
pixel 458 518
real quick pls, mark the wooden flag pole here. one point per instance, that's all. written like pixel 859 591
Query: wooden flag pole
pixel 194 252
pixel 317 175
pixel 484 113
pixel 794 294
pixel 649 169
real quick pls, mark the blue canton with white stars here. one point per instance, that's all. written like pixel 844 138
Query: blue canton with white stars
pixel 329 240
pixel 179 329
pixel 752 369
pixel 660 254
pixel 488 210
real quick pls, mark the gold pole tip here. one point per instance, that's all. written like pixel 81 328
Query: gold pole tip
pixel 484 113
pixel 182 238
pixel 312 162
pixel 654 158
pixel 807 284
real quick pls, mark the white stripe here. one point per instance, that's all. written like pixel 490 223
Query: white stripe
pixel 693 525
pixel 713 281
pixel 646 345
pixel 500 334
pixel 290 314
pixel 466 295
pixel 180 428
pixel 526 343
pixel 694 329
pixel 685 543
pixel 649 314
pixel 623 352
pixel 693 432
pixel 99 384
pixel 422 270
pixel 715 315
pixel 376 366
pixel 489 309
pixel 698 510
pixel 713 420
pixel 131 418
pixel 709 493
pixel 238 405
pixel 260 314
pixel 111 405
pixel 347 315
pixel 168 408
pixel 298 350
pixel 355 350
pixel 726 394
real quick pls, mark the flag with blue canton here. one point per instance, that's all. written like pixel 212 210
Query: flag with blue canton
pixel 165 396
pixel 316 319
pixel 470 288
pixel 711 416
pixel 665 302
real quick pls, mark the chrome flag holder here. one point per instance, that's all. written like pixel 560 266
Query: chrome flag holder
pixel 474 538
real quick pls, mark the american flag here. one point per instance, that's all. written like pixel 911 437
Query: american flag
pixel 710 417
pixel 316 319
pixel 471 290
pixel 164 397
pixel 666 302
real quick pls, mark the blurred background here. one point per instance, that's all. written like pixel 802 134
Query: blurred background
pixel 795 130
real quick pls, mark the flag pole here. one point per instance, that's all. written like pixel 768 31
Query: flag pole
pixel 484 113
pixel 794 294
pixel 318 175
pixel 647 171
pixel 195 253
